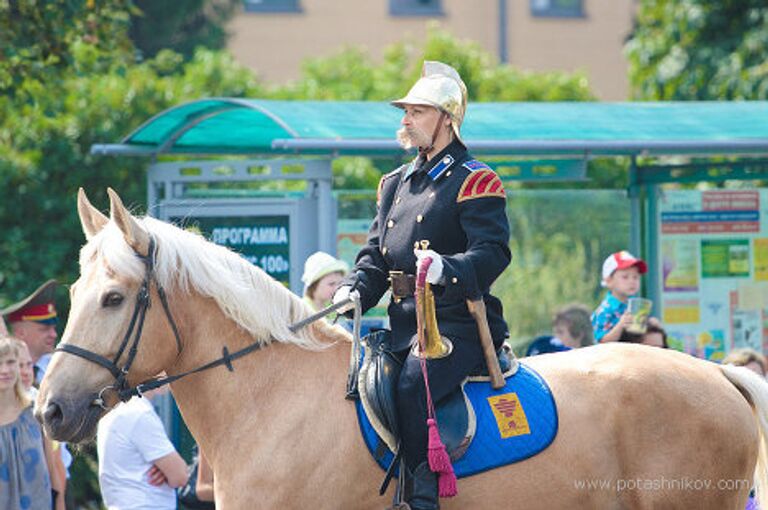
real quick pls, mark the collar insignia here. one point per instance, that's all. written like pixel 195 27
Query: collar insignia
pixel 441 167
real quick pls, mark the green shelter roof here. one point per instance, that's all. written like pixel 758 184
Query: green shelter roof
pixel 257 126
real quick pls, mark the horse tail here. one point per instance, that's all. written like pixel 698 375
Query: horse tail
pixel 755 389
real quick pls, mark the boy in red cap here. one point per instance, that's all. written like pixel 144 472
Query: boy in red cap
pixel 621 276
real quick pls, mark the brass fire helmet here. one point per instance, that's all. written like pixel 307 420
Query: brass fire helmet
pixel 439 86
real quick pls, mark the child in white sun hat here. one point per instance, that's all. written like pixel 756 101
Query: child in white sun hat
pixel 322 275
pixel 621 276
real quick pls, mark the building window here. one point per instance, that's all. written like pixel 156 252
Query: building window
pixel 415 8
pixel 558 8
pixel 272 5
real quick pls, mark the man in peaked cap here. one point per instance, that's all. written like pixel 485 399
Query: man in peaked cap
pixel 34 320
pixel 449 207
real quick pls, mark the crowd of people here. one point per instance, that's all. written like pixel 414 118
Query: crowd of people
pixel 139 467
pixel 574 326
pixel 33 468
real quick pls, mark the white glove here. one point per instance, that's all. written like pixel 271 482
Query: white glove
pixel 344 293
pixel 435 271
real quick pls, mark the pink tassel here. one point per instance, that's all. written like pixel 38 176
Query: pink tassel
pixel 446 484
pixel 440 462
pixel 438 458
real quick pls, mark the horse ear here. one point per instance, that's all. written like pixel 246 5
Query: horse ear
pixel 136 237
pixel 91 218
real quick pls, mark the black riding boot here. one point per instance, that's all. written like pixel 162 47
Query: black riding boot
pixel 423 491
pixel 419 489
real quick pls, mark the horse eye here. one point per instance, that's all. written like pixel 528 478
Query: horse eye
pixel 112 299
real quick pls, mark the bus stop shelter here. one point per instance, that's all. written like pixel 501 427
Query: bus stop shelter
pixel 545 141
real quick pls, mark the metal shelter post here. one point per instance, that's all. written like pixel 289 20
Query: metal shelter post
pixel 326 208
pixel 635 201
pixel 651 240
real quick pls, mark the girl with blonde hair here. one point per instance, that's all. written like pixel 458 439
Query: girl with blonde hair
pixel 24 453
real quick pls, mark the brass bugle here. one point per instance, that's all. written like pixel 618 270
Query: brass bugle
pixel 429 340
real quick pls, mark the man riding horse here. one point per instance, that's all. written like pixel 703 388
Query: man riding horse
pixel 448 207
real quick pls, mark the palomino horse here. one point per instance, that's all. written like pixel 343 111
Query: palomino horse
pixel 640 427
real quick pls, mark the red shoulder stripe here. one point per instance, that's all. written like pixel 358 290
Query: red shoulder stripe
pixel 484 182
pixel 470 182
pixel 479 184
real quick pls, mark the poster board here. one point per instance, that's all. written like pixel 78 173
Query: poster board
pixel 263 241
pixel 713 270
pixel 275 234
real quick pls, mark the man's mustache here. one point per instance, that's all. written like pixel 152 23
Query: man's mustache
pixel 405 137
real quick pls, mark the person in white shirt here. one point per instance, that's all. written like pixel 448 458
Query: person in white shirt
pixel 138 466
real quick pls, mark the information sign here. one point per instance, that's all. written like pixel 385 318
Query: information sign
pixel 262 240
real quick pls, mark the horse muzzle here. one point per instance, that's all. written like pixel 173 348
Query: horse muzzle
pixel 69 419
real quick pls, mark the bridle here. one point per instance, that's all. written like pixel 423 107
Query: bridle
pixel 121 386
pixel 135 328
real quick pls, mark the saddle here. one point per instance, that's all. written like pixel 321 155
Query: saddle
pixel 377 384
pixel 482 428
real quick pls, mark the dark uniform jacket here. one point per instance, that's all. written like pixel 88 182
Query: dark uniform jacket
pixel 458 204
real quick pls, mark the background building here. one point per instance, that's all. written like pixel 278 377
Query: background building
pixel 273 37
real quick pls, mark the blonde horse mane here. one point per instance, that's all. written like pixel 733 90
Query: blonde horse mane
pixel 245 293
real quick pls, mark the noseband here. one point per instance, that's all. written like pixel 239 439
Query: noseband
pixel 135 328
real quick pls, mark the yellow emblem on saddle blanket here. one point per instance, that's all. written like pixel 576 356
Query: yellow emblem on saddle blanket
pixel 509 414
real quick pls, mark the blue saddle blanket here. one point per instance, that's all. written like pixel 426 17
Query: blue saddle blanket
pixel 513 423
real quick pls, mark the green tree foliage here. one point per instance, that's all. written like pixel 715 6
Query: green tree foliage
pixel 181 25
pixel 45 142
pixel 38 40
pixel 700 50
pixel 351 74
pixel 559 241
